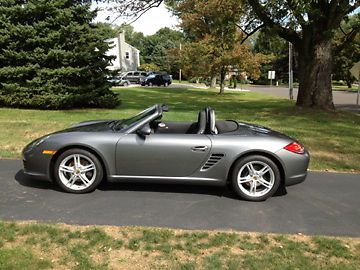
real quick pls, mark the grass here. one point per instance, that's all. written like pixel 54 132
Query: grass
pixel 37 246
pixel 354 88
pixel 332 137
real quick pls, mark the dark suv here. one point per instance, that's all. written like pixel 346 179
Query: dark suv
pixel 157 79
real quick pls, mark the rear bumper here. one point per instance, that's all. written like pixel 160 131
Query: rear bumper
pixel 295 166
pixel 296 179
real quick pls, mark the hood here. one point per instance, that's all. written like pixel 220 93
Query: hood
pixel 91 126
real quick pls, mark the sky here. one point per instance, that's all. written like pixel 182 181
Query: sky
pixel 148 23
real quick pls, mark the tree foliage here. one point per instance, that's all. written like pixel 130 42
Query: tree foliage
pixel 349 52
pixel 216 46
pixel 276 49
pixel 52 56
pixel 310 26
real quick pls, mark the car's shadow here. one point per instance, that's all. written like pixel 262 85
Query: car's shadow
pixel 220 191
pixel 26 181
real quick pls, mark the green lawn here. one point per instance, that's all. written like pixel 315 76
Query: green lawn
pixel 333 138
pixel 354 88
pixel 43 246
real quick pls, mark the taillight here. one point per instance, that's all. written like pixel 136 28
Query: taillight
pixel 295 148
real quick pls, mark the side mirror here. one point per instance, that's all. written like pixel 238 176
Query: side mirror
pixel 145 130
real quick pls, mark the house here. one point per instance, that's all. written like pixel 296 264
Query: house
pixel 127 56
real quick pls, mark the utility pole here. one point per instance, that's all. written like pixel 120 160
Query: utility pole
pixel 180 71
pixel 291 75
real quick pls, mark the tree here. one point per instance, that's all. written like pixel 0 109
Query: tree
pixel 310 27
pixel 349 54
pixel 149 67
pixel 212 27
pixel 276 49
pixel 156 48
pixel 52 56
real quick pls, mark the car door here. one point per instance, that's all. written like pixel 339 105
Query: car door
pixel 172 155
pixel 136 77
pixel 130 77
pixel 157 80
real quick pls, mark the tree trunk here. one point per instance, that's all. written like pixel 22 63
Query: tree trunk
pixel 315 62
pixel 349 80
pixel 213 82
pixel 222 80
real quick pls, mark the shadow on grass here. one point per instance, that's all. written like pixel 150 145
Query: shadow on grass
pixel 160 187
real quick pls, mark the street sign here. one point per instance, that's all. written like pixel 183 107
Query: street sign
pixel 271 74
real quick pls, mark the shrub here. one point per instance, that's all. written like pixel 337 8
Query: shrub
pixel 52 55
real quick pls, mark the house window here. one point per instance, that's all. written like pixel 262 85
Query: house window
pixel 127 55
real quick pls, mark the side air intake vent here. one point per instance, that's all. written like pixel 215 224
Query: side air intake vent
pixel 213 159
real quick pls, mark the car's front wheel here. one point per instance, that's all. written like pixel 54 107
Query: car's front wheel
pixel 78 171
pixel 255 178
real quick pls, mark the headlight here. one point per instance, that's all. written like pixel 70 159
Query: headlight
pixel 36 143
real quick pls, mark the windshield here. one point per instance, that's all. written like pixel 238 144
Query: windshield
pixel 151 76
pixel 130 121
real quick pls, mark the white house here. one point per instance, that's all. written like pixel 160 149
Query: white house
pixel 127 56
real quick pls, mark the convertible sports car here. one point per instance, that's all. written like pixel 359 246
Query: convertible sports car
pixel 254 160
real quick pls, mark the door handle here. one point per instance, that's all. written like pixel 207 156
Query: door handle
pixel 199 148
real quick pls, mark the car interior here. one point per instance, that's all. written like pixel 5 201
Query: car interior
pixel 206 124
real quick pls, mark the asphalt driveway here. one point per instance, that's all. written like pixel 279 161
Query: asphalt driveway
pixel 326 204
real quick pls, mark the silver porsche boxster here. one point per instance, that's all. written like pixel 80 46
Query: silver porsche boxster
pixel 254 160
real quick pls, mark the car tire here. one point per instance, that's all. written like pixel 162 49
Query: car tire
pixel 150 84
pixel 126 84
pixel 255 178
pixel 83 177
pixel 166 84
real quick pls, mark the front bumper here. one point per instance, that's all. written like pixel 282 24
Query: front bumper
pixel 37 165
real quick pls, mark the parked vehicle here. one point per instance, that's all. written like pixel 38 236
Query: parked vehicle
pixel 157 79
pixel 256 161
pixel 134 76
pixel 118 81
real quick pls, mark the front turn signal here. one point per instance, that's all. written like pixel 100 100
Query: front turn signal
pixel 49 152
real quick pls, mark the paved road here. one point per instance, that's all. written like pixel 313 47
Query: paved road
pixel 326 204
pixel 342 99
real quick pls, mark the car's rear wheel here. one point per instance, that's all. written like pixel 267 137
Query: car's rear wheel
pixel 166 84
pixel 255 178
pixel 78 171
pixel 150 84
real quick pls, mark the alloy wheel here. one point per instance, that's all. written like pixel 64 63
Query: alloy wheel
pixel 255 179
pixel 77 172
